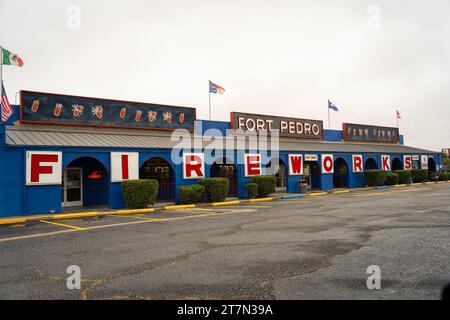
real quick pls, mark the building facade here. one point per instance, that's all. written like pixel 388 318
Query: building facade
pixel 61 151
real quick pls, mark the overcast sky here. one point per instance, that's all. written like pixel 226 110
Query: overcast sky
pixel 273 57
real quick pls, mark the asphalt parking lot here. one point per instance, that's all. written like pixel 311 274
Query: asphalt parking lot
pixel 312 248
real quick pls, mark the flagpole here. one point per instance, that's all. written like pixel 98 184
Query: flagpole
pixel 1 69
pixel 329 123
pixel 209 91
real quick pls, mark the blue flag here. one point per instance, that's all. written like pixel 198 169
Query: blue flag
pixel 332 106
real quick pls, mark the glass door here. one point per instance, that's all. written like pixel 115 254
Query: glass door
pixel 72 188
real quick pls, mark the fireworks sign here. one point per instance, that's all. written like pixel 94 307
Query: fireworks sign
pixel 38 107
pixel 362 132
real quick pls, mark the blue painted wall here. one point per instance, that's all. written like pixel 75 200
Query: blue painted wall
pixel 332 135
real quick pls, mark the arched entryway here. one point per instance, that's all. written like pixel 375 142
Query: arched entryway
pixel 84 183
pixel 277 168
pixel 311 174
pixel 431 168
pixel 370 164
pixel 396 164
pixel 341 173
pixel 224 168
pixel 159 169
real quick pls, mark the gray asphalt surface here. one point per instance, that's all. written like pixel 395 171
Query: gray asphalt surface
pixel 315 248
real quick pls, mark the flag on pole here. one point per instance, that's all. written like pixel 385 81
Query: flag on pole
pixel 215 88
pixel 11 59
pixel 332 106
pixel 398 115
pixel 7 110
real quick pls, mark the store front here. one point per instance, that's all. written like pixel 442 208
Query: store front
pixel 80 155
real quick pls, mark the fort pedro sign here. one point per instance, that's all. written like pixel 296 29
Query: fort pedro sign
pixel 286 127
pixel 362 132
pixel 49 108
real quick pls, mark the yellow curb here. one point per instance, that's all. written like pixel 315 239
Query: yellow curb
pixel 133 211
pixel 12 221
pixel 225 203
pixel 430 182
pixel 75 215
pixel 260 200
pixel 341 191
pixel 183 206
pixel 416 184
pixel 399 185
pixel 442 181
pixel 317 194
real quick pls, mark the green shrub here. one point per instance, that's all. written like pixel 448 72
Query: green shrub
pixel 216 189
pixel 266 185
pixel 191 194
pixel 252 190
pixel 443 176
pixel 139 194
pixel 419 175
pixel 375 177
pixel 392 179
pixel 404 176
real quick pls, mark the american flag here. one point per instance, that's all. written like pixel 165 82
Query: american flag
pixel 7 110
pixel 398 115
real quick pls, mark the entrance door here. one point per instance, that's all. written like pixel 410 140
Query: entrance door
pixel 72 188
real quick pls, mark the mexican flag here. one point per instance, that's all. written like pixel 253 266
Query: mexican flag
pixel 11 59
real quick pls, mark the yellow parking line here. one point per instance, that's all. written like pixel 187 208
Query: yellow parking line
pixel 135 217
pixel 62 225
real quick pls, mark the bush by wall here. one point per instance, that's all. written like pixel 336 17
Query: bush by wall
pixel 420 175
pixel 392 179
pixel 404 176
pixel 375 177
pixel 266 185
pixel 252 190
pixel 443 176
pixel 216 189
pixel 191 194
pixel 139 194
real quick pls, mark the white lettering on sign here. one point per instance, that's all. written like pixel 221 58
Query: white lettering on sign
pixel 407 162
pixel 424 162
pixel 252 165
pixel 311 157
pixel 193 166
pixel 327 163
pixel 386 162
pixel 43 168
pixel 292 127
pixel 124 166
pixel 357 163
pixel 295 164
